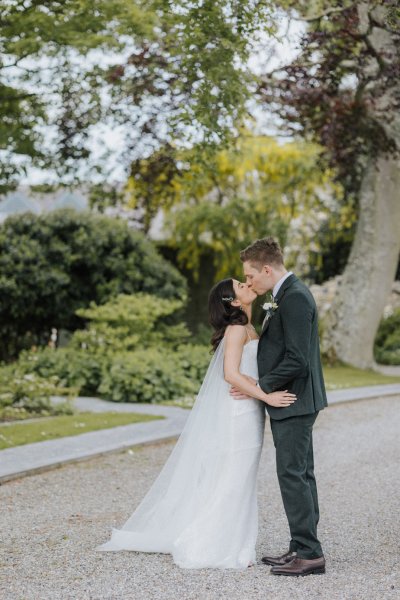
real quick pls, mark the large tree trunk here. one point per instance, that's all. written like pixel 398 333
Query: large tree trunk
pixel 369 274
pixel 370 271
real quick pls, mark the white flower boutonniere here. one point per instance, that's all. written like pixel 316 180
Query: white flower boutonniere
pixel 270 308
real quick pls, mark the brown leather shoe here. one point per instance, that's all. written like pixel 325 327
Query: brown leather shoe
pixel 279 560
pixel 300 567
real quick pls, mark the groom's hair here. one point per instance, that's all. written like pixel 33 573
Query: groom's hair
pixel 263 252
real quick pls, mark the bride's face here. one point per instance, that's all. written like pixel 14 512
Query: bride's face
pixel 244 295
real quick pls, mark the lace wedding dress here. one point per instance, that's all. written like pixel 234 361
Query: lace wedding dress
pixel 202 508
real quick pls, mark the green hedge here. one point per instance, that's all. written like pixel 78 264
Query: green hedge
pixel 387 341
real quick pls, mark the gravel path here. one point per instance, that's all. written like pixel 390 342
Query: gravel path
pixel 51 522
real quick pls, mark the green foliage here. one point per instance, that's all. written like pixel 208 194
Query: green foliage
pixel 387 341
pixel 333 89
pixel 24 395
pixel 253 188
pixel 58 31
pixel 150 374
pixel 140 349
pixel 194 359
pixel 52 265
pixel 153 375
pixel 128 322
pixel 192 84
pixel 186 59
pixel 131 351
pixel 76 370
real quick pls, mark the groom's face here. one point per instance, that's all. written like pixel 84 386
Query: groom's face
pixel 260 281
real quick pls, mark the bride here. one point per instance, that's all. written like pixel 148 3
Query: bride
pixel 202 508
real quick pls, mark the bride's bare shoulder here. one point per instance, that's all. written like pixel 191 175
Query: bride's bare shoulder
pixel 235 333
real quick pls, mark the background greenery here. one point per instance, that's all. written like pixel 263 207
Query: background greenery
pixel 175 78
pixel 53 264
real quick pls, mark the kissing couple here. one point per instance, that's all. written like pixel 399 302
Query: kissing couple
pixel 202 508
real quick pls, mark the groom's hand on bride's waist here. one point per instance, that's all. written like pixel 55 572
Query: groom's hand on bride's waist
pixel 237 394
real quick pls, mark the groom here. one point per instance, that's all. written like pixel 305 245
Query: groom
pixel 289 358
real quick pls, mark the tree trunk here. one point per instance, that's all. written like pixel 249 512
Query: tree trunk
pixel 356 311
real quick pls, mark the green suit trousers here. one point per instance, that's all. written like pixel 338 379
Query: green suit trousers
pixel 295 469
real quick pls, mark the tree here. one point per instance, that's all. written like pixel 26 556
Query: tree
pixel 251 188
pixel 186 82
pixel 189 84
pixel 55 264
pixel 344 90
pixel 181 79
pixel 40 83
pixel 213 209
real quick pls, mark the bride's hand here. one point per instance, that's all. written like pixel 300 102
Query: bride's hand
pixel 280 399
pixel 237 394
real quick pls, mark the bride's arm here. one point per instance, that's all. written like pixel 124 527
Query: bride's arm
pixel 235 338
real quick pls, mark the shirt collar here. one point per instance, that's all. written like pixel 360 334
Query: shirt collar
pixel 278 284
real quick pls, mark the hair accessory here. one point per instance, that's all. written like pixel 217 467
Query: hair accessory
pixel 225 299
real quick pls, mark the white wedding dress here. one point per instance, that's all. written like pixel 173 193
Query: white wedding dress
pixel 202 508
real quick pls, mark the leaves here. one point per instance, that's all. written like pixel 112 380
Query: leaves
pixel 54 264
pixel 343 88
pixel 38 42
pixel 254 188
pixel 129 322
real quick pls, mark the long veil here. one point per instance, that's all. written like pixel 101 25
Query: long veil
pixel 186 485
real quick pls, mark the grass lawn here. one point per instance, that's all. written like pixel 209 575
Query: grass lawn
pixel 337 378
pixel 49 428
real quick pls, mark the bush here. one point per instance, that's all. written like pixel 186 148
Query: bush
pixel 51 265
pixel 131 351
pixel 194 361
pixel 387 341
pixel 130 322
pixel 148 375
pixel 77 370
pixel 144 375
pixel 28 395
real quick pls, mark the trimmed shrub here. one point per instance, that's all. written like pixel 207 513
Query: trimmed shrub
pixel 150 375
pixel 387 341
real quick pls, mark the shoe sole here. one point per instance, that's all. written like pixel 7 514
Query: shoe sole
pixel 318 571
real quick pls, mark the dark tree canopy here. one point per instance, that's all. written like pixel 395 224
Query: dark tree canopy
pixel 54 264
pixel 342 90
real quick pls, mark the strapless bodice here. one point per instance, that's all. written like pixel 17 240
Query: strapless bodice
pixel 248 364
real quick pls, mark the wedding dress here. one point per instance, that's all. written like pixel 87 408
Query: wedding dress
pixel 202 508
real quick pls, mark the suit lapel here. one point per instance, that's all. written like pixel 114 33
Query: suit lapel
pixel 285 285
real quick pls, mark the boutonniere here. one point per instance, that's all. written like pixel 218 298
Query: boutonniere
pixel 270 308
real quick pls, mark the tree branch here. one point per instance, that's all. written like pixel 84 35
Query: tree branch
pixel 326 13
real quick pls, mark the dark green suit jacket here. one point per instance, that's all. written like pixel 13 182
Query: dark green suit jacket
pixel 288 351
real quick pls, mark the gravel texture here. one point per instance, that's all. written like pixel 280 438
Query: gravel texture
pixel 51 522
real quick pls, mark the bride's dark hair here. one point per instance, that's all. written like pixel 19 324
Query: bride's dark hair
pixel 221 313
